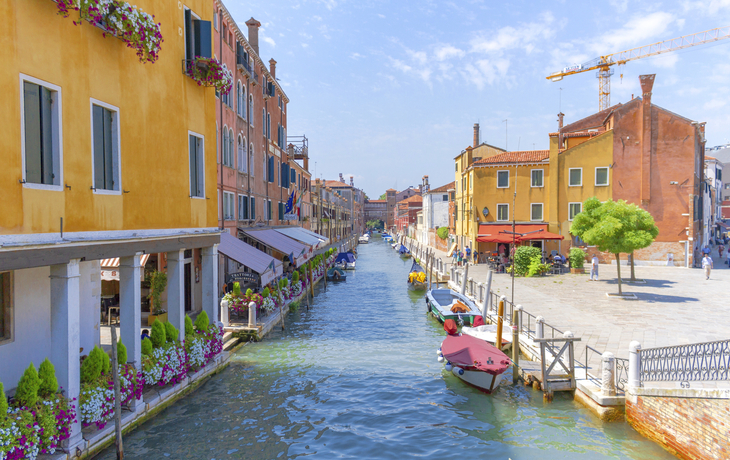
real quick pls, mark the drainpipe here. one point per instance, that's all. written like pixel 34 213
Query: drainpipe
pixel 220 103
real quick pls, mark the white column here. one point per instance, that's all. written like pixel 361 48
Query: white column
pixel 540 327
pixel 130 311
pixel 176 291
pixel 65 336
pixel 210 282
pixel 634 364
pixel 608 371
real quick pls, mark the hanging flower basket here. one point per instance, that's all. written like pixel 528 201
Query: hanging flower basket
pixel 210 72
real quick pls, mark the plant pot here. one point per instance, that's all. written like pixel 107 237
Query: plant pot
pixel 577 271
pixel 151 319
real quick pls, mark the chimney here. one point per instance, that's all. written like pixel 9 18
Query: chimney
pixel 476 134
pixel 352 181
pixel 647 83
pixel 272 68
pixel 342 179
pixel 561 115
pixel 253 34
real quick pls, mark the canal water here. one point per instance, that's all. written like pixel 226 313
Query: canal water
pixel 356 376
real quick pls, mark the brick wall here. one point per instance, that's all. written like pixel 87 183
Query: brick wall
pixel 655 253
pixel 436 242
pixel 690 428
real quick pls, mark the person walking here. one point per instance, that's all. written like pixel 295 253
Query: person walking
pixel 455 254
pixel 594 268
pixel 707 265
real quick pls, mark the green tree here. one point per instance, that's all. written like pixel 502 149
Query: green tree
pixel 49 383
pixel 158 335
pixel 615 227
pixel 27 392
pixel 202 322
pixel 382 197
pixel 443 232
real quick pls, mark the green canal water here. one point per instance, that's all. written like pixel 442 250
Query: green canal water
pixel 356 376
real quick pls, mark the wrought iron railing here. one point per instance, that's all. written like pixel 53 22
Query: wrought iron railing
pixel 708 361
pixel 622 373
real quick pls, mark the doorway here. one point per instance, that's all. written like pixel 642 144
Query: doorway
pixel 188 286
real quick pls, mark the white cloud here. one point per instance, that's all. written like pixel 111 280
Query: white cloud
pixel 381 16
pixel 619 5
pixel 714 104
pixel 638 31
pixel 444 52
pixel 524 36
pixel 356 56
pixel 269 40
pixel 707 8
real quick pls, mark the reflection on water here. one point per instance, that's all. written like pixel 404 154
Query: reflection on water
pixel 356 376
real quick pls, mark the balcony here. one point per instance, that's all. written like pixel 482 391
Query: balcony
pixel 297 147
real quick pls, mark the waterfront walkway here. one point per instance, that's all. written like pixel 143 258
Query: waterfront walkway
pixel 676 305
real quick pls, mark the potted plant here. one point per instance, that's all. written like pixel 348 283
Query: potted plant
pixel 577 258
pixel 210 72
pixel 158 283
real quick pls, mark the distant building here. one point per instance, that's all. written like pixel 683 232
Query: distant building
pixel 376 210
pixel 406 212
pixel 712 200
pixel 435 210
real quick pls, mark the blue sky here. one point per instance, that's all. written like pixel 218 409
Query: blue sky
pixel 389 91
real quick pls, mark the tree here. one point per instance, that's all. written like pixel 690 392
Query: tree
pixel 382 197
pixel 615 227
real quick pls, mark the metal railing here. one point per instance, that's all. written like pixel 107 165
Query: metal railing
pixel 708 361
pixel 621 374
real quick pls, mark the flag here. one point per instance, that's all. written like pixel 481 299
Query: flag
pixel 290 202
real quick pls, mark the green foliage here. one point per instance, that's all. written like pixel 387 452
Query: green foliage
pixel 536 267
pixel 171 332
pixel 577 257
pixel 382 197
pixel 3 405
pixel 158 283
pixel 49 384
pixel 121 353
pixel 91 367
pixel 237 289
pixel 266 293
pixel 295 277
pixel 158 335
pixel 443 232
pixel 202 322
pixel 523 258
pixel 106 361
pixel 294 306
pixel 614 226
pixel 284 282
pixel 147 347
pixel 249 292
pixel 189 322
pixel 27 392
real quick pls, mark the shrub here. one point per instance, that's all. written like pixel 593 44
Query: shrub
pixel 171 332
pixel 147 347
pixel 237 289
pixel 121 353
pixel 158 335
pixel 523 258
pixel 49 384
pixel 189 323
pixel 284 282
pixel 294 306
pixel 266 293
pixel 577 257
pixel 537 267
pixel 201 322
pixel 27 392
pixel 443 232
pixel 91 367
pixel 106 361
pixel 3 405
pixel 295 277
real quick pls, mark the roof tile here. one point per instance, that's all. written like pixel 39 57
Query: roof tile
pixel 527 156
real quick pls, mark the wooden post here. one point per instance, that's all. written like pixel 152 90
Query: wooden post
pixel 516 342
pixel 500 314
pixel 117 396
pixel 281 306
pixel 311 279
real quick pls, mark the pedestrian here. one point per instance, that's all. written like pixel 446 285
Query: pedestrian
pixel 720 250
pixel 707 265
pixel 459 258
pixel 455 254
pixel 594 268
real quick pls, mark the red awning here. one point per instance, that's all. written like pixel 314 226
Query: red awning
pixel 542 236
pixel 495 233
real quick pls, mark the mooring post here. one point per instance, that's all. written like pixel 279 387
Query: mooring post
pixel 117 396
pixel 634 364
pixel 540 327
pixel 224 312
pixel 252 314
pixel 608 373
pixel 463 279
pixel 487 296
pixel 516 343
pixel 500 321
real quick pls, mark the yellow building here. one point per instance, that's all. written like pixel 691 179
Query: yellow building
pixel 105 158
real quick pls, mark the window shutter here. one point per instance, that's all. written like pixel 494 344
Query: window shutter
pixel 271 169
pixel 203 42
pixel 193 168
pixel 252 210
pixel 32 125
pixel 98 147
pixel 293 176
pixel 108 150
pixel 189 35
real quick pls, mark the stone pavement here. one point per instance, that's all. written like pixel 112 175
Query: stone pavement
pixel 676 305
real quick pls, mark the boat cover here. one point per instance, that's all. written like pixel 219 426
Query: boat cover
pixel 345 257
pixel 471 353
pixel 403 250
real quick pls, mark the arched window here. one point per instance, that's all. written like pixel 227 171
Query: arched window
pixel 241 154
pixel 224 160
pixel 226 97
pixel 250 158
pixel 265 170
pixel 250 107
pixel 231 148
pixel 241 102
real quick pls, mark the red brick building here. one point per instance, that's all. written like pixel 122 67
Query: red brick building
pixel 405 212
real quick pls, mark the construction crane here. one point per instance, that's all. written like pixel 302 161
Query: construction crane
pixel 603 64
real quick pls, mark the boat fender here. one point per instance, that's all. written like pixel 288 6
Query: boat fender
pixel 438 352
pixel 457 371
pixel 440 359
pixel 448 366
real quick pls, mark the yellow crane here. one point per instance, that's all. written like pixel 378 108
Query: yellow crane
pixel 603 63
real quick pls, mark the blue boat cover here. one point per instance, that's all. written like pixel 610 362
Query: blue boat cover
pixel 403 250
pixel 345 257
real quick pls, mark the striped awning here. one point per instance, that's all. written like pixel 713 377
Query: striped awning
pixel 110 267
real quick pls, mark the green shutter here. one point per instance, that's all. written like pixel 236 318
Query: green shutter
pixel 98 121
pixel 193 167
pixel 32 126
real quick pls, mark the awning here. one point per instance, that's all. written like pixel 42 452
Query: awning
pixel 723 225
pixel 259 262
pixel 543 236
pixel 324 239
pixel 502 233
pixel 281 243
pixel 299 235
pixel 110 268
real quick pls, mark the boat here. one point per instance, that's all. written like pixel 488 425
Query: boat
pixel 365 239
pixel 488 332
pixel 404 252
pixel 386 236
pixel 417 278
pixel 345 261
pixel 474 361
pixel 448 304
pixel 336 274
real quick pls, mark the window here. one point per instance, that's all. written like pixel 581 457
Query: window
pixel 266 212
pixel 502 179
pixel 502 212
pixel 105 146
pixel 269 210
pixel 197 36
pixel 224 146
pixel 574 209
pixel 537 178
pixel 471 180
pixel 228 210
pixel 226 97
pixel 265 175
pixel 456 167
pixel 271 170
pixel 242 157
pixel 41 133
pixel 231 150
pixel 197 165
pixel 252 209
pixel 263 123
pixel 6 307
pixel 602 176
pixel 250 108
pixel 242 207
pixel 240 100
pixel 250 159
pixel 215 19
pixel 445 198
pixel 536 211
pixel 268 126
pixel 575 177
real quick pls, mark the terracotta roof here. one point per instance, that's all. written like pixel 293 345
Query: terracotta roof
pixel 335 183
pixel 376 201
pixel 443 188
pixel 527 156
pixel 591 121
pixel 710 158
pixel 391 190
pixel 412 199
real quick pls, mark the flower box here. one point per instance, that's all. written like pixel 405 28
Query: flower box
pixel 209 72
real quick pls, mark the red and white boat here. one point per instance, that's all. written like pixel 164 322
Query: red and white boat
pixel 474 361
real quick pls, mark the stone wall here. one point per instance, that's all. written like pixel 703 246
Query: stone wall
pixel 655 254
pixel 690 428
pixel 436 242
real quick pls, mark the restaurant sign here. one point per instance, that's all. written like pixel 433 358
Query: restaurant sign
pixel 247 277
